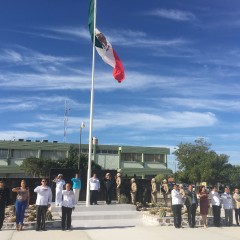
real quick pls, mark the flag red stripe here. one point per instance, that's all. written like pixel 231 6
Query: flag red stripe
pixel 118 71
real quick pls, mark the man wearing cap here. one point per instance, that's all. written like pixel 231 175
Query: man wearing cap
pixel 133 191
pixel 165 190
pixel 108 187
pixel 118 187
pixel 59 187
pixel 154 191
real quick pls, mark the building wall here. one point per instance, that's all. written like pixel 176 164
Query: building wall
pixel 142 161
pixel 109 161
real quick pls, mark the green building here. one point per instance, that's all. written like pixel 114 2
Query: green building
pixel 143 162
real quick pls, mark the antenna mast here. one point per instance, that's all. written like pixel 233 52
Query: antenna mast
pixel 65 121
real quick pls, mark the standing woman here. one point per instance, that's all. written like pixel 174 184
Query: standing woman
pixel 76 186
pixel 22 201
pixel 68 205
pixel 204 204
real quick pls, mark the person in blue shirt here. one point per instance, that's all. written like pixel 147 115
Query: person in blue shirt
pixel 76 187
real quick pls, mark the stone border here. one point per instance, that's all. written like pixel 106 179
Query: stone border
pixel 31 225
pixel 150 219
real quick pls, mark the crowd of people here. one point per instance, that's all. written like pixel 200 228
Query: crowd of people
pixel 67 196
pixel 66 199
pixel 191 199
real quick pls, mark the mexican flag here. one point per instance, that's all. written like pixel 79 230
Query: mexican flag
pixel 104 48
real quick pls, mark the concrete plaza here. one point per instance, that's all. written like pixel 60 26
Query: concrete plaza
pixel 119 233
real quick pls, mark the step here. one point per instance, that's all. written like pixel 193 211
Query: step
pixel 103 215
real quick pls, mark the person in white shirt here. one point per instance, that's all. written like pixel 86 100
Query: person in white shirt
pixel 94 186
pixel 227 202
pixel 68 205
pixel 59 187
pixel 44 199
pixel 177 201
pixel 216 206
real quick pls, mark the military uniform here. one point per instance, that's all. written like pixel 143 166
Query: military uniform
pixel 165 190
pixel 118 187
pixel 236 201
pixel 133 191
pixel 154 191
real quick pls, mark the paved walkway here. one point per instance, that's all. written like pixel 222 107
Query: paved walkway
pixel 127 233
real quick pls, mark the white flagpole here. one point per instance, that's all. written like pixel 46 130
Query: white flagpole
pixel 91 111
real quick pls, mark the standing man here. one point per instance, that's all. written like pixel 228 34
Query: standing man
pixel 228 207
pixel 44 199
pixel 94 186
pixel 4 200
pixel 154 191
pixel 76 187
pixel 118 187
pixel 236 200
pixel 182 191
pixel 68 205
pixel 59 187
pixel 165 190
pixel 133 191
pixel 191 204
pixel 108 187
pixel 177 201
pixel 216 206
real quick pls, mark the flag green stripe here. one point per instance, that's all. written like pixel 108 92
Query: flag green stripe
pixel 91 24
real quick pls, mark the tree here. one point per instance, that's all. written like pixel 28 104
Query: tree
pixel 159 178
pixel 234 176
pixel 72 161
pixel 37 167
pixel 197 163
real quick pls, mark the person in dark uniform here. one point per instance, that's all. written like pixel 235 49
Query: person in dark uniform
pixel 191 203
pixel 108 188
pixel 4 201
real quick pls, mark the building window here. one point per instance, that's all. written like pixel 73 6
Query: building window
pixel 132 157
pixel 107 151
pixel 53 155
pixel 3 153
pixel 24 153
pixel 156 158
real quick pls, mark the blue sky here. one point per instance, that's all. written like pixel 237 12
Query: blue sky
pixel 182 67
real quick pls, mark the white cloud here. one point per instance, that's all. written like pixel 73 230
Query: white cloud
pixel 224 105
pixel 43 102
pixel 36 60
pixel 122 37
pixel 174 14
pixel 11 135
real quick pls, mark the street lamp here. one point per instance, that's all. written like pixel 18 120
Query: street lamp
pixel 80 144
